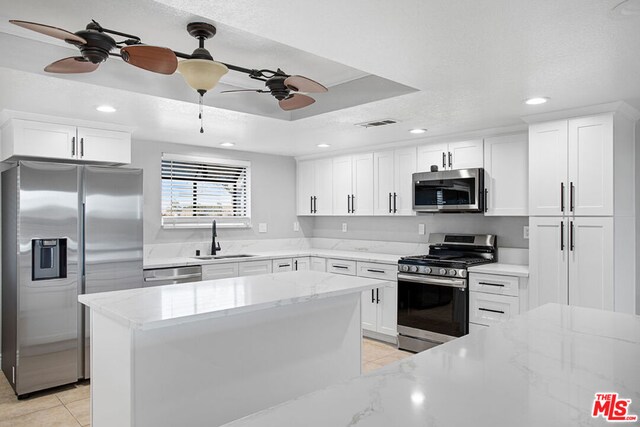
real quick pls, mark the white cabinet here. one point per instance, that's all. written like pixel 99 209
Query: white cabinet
pixel 392 187
pixel 571 167
pixel 506 167
pixel 571 261
pixel 33 139
pixel 454 155
pixel 302 263
pixel 380 306
pixel 495 298
pixel 353 185
pixel 220 271
pixel 251 268
pixel 315 187
pixel 341 266
pixel 318 264
pixel 282 264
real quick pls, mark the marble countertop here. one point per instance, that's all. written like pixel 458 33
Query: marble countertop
pixel 501 269
pixel 158 306
pixel 542 368
pixel 324 253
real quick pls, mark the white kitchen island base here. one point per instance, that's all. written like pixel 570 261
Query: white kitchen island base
pixel 204 370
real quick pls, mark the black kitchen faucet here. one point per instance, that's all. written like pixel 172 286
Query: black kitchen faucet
pixel 215 247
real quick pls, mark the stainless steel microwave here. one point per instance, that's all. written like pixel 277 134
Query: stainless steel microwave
pixel 459 190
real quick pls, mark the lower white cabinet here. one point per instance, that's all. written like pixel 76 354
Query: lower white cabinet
pixel 495 298
pixel 282 264
pixel 341 266
pixel 302 263
pixel 252 268
pixel 380 306
pixel 220 271
pixel 506 167
pixel 318 264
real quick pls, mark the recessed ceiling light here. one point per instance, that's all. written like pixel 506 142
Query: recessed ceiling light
pixel 227 144
pixel 536 101
pixel 106 109
pixel 416 131
pixel 324 145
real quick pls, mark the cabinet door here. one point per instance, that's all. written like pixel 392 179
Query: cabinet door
pixel 591 263
pixel 432 154
pixel 548 168
pixel 506 164
pixel 251 268
pixel 99 145
pixel 466 154
pixel 383 176
pixel 342 185
pixel 36 139
pixel 318 264
pixel 302 263
pixel 284 264
pixel 362 184
pixel 591 165
pixel 369 310
pixel 306 186
pixel 324 187
pixel 404 164
pixel 548 261
pixel 388 310
pixel 219 271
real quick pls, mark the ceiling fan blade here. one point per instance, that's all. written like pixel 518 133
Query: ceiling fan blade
pixel 296 101
pixel 48 30
pixel 71 65
pixel 303 84
pixel 245 90
pixel 151 58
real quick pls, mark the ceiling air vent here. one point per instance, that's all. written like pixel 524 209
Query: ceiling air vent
pixel 377 123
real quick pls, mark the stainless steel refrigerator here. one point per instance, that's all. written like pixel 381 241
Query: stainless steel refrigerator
pixel 66 229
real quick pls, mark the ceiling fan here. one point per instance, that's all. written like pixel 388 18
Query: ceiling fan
pixel 199 69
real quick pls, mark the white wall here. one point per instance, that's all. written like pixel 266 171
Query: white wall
pixel 637 172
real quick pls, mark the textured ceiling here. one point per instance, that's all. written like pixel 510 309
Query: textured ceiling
pixel 473 62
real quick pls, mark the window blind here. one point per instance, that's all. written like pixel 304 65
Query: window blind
pixel 197 190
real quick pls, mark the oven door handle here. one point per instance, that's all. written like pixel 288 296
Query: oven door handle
pixel 452 283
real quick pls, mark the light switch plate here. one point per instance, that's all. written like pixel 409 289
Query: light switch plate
pixel 262 227
pixel 344 227
pixel 421 229
pixel 296 226
pixel 525 232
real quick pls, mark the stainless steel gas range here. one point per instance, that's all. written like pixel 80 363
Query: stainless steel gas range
pixel 433 295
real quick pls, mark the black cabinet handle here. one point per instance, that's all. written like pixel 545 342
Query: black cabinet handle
pixel 377 296
pixel 295 263
pixel 73 145
pixel 389 202
pixel 353 203
pixel 561 236
pixel 444 160
pixel 571 188
pixel 311 205
pixel 486 200
pixel 315 204
pixel 284 265
pixel 491 284
pixel 450 163
pixel 81 147
pixel 372 297
pixel 395 203
pixel 375 271
pixel 492 311
pixel 340 266
pixel 348 203
pixel 562 197
pixel 571 237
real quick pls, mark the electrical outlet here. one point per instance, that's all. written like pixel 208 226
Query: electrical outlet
pixel 262 227
pixel 421 229
pixel 525 232
pixel 296 226
pixel 344 227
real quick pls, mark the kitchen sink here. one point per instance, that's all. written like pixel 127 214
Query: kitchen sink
pixel 205 257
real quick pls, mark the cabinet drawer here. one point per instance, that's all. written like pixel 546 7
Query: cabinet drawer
pixel 282 264
pixel 341 266
pixel 474 327
pixel 219 271
pixel 377 271
pixel 250 268
pixel 488 309
pixel 494 284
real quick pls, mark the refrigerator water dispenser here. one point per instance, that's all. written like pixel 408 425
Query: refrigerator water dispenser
pixel 49 259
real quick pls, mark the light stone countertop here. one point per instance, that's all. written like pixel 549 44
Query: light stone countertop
pixel 324 253
pixel 159 306
pixel 542 368
pixel 501 269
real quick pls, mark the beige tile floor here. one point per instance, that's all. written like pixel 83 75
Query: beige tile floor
pixel 68 406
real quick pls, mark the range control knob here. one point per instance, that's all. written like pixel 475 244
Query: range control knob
pixel 442 272
pixel 427 270
pixel 452 272
pixel 413 268
pixel 405 268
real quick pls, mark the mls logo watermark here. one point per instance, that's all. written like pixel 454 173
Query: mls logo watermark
pixel 612 408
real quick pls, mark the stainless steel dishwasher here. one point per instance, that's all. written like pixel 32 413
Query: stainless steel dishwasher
pixel 171 276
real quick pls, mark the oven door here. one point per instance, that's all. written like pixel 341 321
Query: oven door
pixel 449 191
pixel 431 310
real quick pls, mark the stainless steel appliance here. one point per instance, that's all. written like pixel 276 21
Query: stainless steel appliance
pixel 66 229
pixel 171 276
pixel 459 190
pixel 433 295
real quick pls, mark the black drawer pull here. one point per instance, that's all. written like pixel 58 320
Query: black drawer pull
pixel 493 311
pixel 376 271
pixel 340 266
pixel 284 265
pixel 491 284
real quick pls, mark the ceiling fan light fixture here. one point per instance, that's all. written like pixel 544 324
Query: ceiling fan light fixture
pixel 202 74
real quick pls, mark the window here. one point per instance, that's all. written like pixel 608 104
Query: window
pixel 197 190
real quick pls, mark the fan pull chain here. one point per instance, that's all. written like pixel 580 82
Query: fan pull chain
pixel 200 115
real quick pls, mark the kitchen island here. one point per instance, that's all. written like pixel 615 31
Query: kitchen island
pixel 543 368
pixel 209 352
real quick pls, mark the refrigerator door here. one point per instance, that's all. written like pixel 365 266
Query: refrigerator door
pixel 112 238
pixel 47 315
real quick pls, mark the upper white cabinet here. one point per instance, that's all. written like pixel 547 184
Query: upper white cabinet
pixel 392 175
pixel 353 185
pixel 571 164
pixel 315 187
pixel 42 140
pixel 454 155
pixel 506 167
